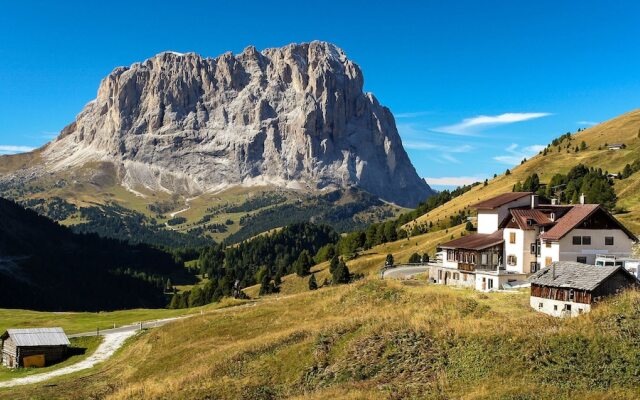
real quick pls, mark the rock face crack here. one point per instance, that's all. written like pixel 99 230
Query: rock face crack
pixel 189 124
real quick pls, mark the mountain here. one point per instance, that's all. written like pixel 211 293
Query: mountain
pixel 559 158
pixel 45 266
pixel 294 116
pixel 179 135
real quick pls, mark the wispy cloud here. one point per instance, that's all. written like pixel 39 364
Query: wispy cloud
pixel 449 157
pixel 588 123
pixel 414 114
pixel 453 180
pixel 10 149
pixel 413 138
pixel 515 154
pixel 472 126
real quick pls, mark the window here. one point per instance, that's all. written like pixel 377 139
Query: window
pixel 512 260
pixel 533 248
pixel 582 260
pixel 548 244
pixel 571 294
pixel 580 310
pixel 567 307
pixel 484 259
pixel 512 237
pixel 534 266
pixel 540 306
pixel 582 240
pixel 489 284
pixel 547 261
pixel 555 307
pixel 608 240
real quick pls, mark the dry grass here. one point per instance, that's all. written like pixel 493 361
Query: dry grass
pixel 375 339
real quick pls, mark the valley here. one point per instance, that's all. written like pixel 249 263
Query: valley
pixel 258 226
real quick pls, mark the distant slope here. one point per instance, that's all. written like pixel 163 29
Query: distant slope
pixel 45 266
pixel 624 129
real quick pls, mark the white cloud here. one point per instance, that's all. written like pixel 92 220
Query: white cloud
pixel 412 114
pixel 9 149
pixel 471 126
pixel 414 145
pixel 515 155
pixel 450 158
pixel 588 123
pixel 454 180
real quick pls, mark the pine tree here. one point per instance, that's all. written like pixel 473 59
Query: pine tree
pixel 627 171
pixel 469 226
pixel 333 264
pixel 313 285
pixel 265 285
pixel 175 301
pixel 341 274
pixel 168 285
pixel 507 172
pixel 389 260
pixel 303 263
pixel 196 297
pixel 583 145
pixel 414 258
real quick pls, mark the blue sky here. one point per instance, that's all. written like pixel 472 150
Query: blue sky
pixel 475 86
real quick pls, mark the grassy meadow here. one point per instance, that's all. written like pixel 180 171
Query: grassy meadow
pixel 375 339
pixel 77 322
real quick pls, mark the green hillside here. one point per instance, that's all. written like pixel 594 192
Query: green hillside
pixel 45 266
pixel 91 199
pixel 560 159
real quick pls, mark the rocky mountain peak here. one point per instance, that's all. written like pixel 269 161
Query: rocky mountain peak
pixel 293 116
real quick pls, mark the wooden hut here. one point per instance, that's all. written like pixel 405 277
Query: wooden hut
pixel 569 288
pixel 35 347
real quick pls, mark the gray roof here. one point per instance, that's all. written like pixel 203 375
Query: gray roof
pixel 574 275
pixel 37 337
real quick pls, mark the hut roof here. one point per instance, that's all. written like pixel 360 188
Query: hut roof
pixel 569 274
pixel 37 337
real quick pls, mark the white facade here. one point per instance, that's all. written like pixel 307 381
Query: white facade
pixel 569 252
pixel 489 220
pixel 558 308
pixel 523 251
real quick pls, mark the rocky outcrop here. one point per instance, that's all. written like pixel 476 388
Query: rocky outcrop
pixel 294 116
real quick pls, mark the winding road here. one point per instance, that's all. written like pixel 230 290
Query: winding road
pixel 404 272
pixel 113 340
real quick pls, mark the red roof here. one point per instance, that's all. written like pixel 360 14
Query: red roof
pixel 521 217
pixel 575 216
pixel 478 241
pixel 500 200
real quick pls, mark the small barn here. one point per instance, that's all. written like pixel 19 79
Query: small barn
pixel 35 347
pixel 569 288
pixel 616 146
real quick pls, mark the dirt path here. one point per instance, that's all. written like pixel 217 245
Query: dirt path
pixel 114 339
pixel 111 343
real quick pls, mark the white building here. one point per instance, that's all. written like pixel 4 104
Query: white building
pixel 517 236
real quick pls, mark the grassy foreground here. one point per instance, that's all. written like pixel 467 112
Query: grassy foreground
pixel 375 339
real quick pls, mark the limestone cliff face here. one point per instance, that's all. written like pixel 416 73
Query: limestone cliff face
pixel 294 116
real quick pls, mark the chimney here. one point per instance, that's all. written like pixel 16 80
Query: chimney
pixel 553 271
pixel 582 198
pixel 554 201
pixel 534 201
